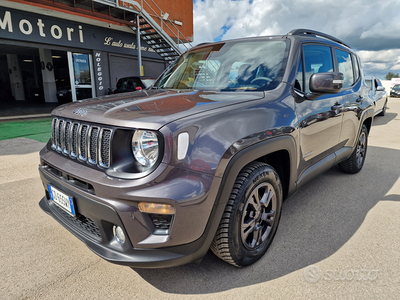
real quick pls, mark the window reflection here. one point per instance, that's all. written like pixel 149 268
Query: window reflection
pixel 229 66
pixel 317 59
pixel 81 69
pixel 345 67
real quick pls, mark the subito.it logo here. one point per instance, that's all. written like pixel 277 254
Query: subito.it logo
pixel 312 274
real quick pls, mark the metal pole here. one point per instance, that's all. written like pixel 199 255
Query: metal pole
pixel 139 47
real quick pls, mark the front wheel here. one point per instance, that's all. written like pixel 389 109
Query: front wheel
pixel 251 216
pixel 355 162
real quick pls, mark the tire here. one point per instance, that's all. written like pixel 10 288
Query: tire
pixel 356 161
pixel 251 216
pixel 383 112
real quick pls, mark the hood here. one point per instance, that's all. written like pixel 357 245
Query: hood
pixel 150 109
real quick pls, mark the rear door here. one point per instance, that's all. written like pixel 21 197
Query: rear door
pixel 355 93
pixel 380 95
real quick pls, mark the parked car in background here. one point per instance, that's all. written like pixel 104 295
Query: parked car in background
pixel 134 83
pixel 377 94
pixel 395 91
pixel 64 94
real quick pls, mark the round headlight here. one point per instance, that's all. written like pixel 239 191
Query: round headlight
pixel 145 147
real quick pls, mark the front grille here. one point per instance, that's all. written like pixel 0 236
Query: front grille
pixel 93 139
pixel 84 142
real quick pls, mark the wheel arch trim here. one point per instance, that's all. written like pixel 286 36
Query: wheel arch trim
pixel 245 156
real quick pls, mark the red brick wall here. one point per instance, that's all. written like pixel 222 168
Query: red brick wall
pixel 181 10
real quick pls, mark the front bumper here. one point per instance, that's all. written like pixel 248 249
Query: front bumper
pixel 102 206
pixel 111 251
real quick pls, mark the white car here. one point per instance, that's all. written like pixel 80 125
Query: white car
pixel 378 94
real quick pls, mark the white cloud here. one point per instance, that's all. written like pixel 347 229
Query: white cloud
pixel 350 20
pixel 366 25
pixel 380 56
pixel 379 63
pixel 395 67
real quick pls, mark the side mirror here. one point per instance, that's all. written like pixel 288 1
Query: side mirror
pixel 324 83
pixel 138 88
pixel 380 88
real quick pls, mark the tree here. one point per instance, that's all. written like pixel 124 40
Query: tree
pixel 391 75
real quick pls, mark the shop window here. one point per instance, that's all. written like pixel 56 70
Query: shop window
pixel 81 69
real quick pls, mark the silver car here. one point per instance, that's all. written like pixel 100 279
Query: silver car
pixel 378 94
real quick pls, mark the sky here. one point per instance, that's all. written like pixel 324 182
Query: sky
pixel 370 27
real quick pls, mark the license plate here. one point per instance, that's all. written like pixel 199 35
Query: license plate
pixel 62 200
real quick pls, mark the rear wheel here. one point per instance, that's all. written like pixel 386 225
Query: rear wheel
pixel 355 162
pixel 251 216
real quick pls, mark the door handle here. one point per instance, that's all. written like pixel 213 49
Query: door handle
pixel 337 106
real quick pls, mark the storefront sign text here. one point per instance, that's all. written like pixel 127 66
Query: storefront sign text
pixel 27 27
pixel 109 41
pixel 98 70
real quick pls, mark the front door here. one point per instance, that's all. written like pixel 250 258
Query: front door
pixel 320 120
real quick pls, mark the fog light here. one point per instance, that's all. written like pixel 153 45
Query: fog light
pixel 119 234
pixel 156 208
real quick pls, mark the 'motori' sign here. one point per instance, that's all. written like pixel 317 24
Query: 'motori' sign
pixel 39 29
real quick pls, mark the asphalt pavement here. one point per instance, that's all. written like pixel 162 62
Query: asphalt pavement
pixel 338 239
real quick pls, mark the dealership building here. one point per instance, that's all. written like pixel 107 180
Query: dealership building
pixel 56 51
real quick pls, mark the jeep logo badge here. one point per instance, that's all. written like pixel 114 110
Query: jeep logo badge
pixel 80 112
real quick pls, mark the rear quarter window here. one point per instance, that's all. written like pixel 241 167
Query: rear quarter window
pixel 345 65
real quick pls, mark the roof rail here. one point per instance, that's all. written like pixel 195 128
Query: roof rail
pixel 201 44
pixel 316 33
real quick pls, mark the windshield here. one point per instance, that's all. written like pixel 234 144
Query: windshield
pixel 148 82
pixel 229 66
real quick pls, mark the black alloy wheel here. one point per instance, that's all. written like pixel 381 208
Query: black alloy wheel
pixel 258 216
pixel 251 216
pixel 356 161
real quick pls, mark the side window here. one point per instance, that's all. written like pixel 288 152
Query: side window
pixel 346 67
pixel 370 83
pixel 356 68
pixel 298 83
pixel 317 59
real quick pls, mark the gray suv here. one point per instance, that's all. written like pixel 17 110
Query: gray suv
pixel 205 158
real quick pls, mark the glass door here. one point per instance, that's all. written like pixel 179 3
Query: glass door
pixel 81 75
